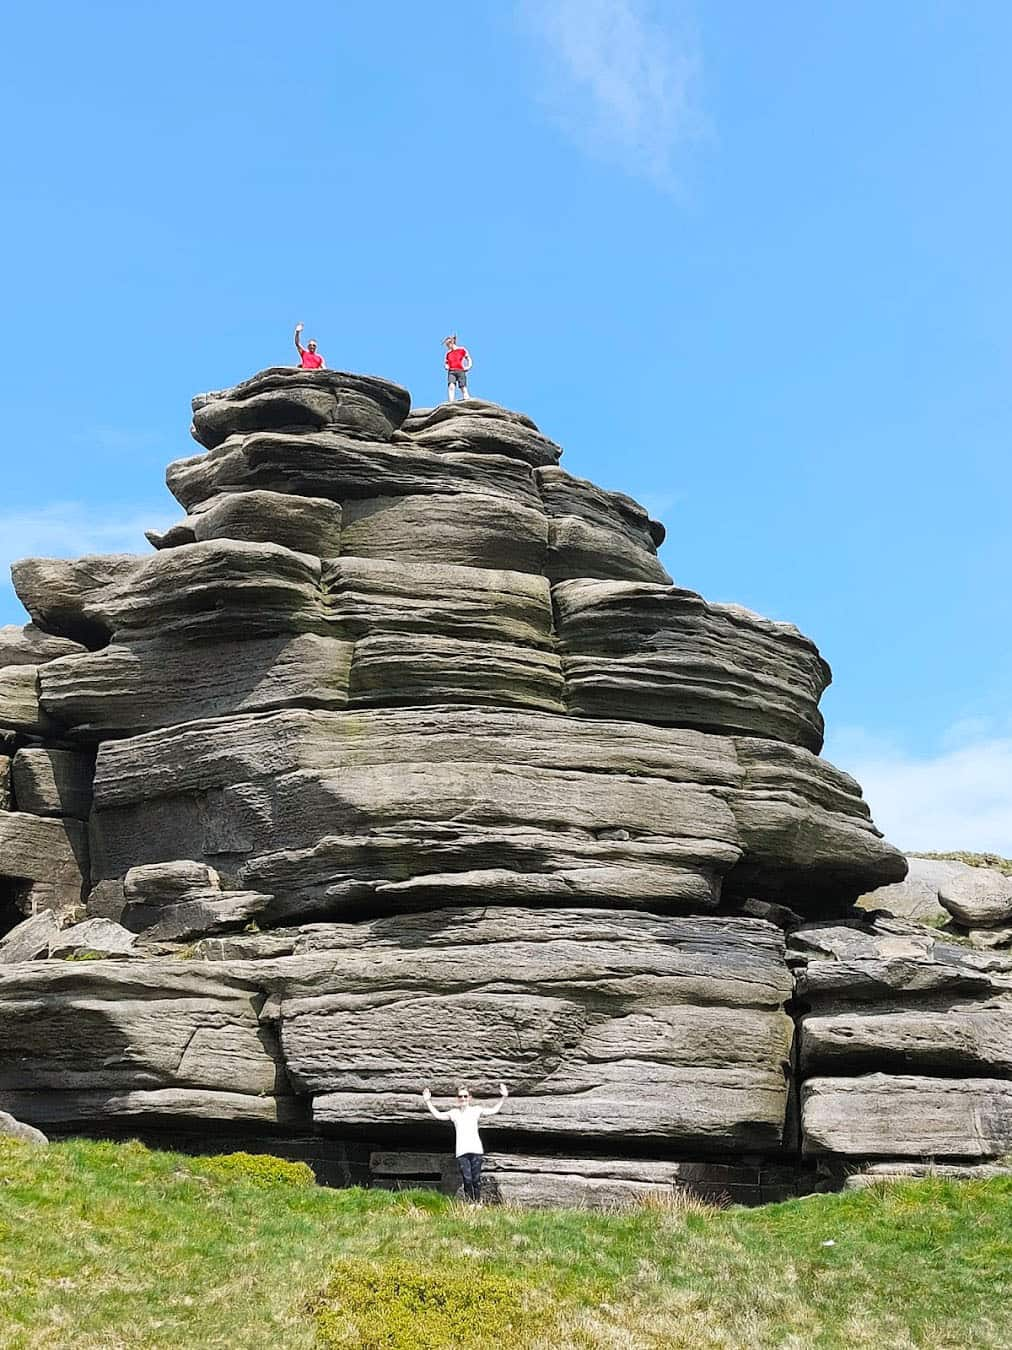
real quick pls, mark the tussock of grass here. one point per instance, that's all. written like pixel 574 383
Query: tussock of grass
pixel 114 1247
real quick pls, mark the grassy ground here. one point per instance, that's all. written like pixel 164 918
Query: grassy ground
pixel 109 1246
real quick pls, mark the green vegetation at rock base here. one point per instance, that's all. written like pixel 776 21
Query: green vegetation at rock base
pixel 114 1247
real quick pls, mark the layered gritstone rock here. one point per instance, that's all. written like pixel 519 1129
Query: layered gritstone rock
pixel 402 759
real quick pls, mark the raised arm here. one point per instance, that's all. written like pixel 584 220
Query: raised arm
pixel 494 1110
pixel 427 1099
pixel 298 345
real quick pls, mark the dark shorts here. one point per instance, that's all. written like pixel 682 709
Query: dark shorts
pixel 457 377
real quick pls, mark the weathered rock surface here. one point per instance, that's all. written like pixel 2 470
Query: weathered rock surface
pixel 281 397
pixel 130 687
pixel 30 939
pixel 647 1027
pixel 592 533
pixel 93 938
pixel 20 709
pixel 63 597
pixel 476 427
pixel 29 646
pixel 51 852
pixel 303 524
pixel 916 897
pixel 53 782
pixel 177 901
pixel 405 738
pixel 885 1115
pixel 664 655
pixel 979 898
pixel 538 1181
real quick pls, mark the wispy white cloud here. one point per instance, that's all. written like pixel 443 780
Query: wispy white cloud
pixel 69 530
pixel 620 79
pixel 957 798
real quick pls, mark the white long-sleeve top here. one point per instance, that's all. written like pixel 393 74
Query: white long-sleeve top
pixel 465 1123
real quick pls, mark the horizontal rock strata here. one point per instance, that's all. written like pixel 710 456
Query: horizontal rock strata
pixel 404 739
pixel 643 1027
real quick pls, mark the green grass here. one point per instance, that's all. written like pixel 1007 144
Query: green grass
pixel 110 1246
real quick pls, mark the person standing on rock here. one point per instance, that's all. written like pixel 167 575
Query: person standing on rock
pixel 458 363
pixel 309 357
pixel 465 1116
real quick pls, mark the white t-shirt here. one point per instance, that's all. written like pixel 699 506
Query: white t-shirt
pixel 465 1122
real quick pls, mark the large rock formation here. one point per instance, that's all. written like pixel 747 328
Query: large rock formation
pixel 401 759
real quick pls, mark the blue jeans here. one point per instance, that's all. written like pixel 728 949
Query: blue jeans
pixel 470 1174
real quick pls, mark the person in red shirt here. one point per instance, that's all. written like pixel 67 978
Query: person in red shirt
pixel 309 357
pixel 458 363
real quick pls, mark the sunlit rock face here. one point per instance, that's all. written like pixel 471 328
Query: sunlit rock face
pixel 408 734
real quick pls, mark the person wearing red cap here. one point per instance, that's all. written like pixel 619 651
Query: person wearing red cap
pixel 458 363
pixel 309 357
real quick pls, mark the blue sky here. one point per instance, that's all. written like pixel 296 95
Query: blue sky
pixel 747 262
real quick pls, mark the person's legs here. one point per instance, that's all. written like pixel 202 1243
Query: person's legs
pixel 470 1174
pixel 464 1163
pixel 450 386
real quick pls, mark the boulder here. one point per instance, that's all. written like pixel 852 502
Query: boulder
pixel 64 597
pixel 19 701
pixel 980 897
pixel 53 782
pixel 54 852
pixel 29 646
pixel 286 398
pixel 93 938
pixel 30 939
pixel 304 524
pixel 969 1036
pixel 916 897
pixel 17 1129
pixel 593 533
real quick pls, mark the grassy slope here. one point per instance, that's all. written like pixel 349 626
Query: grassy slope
pixel 105 1245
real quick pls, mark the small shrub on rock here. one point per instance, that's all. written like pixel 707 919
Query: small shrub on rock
pixel 262 1169
pixel 403 1306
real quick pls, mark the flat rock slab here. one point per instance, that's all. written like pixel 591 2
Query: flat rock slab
pixel 538 1181
pixel 882 1115
pixel 967 1037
